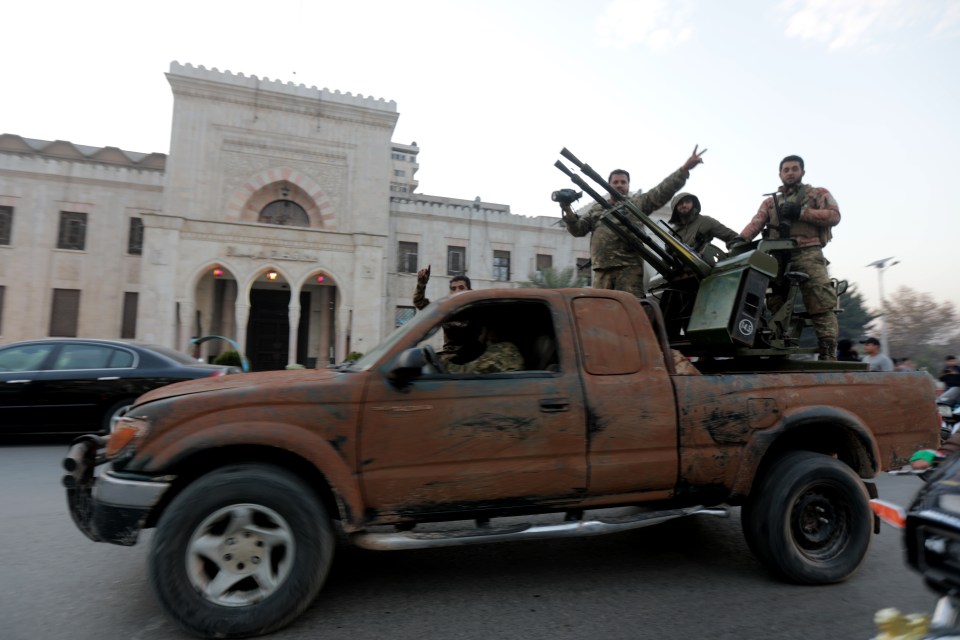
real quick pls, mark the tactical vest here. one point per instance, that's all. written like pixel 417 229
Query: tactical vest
pixel 798 227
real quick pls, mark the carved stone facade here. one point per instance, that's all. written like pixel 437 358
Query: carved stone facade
pixel 219 255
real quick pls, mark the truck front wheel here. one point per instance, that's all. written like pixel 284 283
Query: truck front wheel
pixel 809 521
pixel 242 551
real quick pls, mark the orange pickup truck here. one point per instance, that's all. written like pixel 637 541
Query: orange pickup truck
pixel 246 478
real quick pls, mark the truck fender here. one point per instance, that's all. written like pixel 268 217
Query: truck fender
pixel 814 428
pixel 307 444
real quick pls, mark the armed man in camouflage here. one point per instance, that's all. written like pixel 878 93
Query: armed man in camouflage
pixel 497 356
pixel 810 213
pixel 616 265
pixel 694 229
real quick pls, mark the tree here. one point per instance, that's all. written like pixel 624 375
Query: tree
pixel 855 317
pixel 921 328
pixel 550 278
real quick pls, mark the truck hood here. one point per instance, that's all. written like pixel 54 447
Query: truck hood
pixel 238 381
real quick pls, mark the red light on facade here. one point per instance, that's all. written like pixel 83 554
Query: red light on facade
pixel 320 278
pixel 217 272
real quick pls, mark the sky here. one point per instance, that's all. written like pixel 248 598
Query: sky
pixel 866 91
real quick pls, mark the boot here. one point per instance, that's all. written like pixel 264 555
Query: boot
pixel 827 349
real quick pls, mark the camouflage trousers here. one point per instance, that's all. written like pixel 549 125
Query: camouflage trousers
pixel 819 298
pixel 629 279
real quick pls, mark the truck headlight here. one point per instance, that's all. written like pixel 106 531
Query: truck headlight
pixel 123 439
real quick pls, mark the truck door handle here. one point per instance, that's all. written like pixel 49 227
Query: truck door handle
pixel 554 405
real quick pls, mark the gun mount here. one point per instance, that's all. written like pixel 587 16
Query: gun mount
pixel 711 308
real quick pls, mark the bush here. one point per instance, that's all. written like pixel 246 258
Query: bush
pixel 354 355
pixel 229 358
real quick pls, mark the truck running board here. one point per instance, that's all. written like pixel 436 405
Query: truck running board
pixel 402 540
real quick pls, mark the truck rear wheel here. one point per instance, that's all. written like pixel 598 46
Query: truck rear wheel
pixel 809 520
pixel 242 551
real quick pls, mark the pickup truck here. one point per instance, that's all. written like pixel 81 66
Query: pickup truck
pixel 252 480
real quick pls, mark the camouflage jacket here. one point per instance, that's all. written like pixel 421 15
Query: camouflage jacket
pixel 698 233
pixel 420 299
pixel 497 357
pixel 819 214
pixel 607 250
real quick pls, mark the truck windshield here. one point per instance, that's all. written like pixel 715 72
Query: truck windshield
pixel 419 323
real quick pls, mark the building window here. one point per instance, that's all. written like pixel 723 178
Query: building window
pixel 402 314
pixel 73 230
pixel 398 188
pixel 284 212
pixel 128 327
pixel 3 290
pixel 501 265
pixel 456 261
pixel 544 262
pixel 135 237
pixel 398 156
pixel 6 224
pixel 399 173
pixel 64 312
pixel 408 257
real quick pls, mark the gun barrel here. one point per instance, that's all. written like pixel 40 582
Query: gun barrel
pixel 666 262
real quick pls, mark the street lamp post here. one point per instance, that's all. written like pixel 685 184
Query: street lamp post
pixel 883 265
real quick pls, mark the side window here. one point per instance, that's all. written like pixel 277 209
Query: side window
pixel 28 357
pixel 606 337
pixel 82 356
pixel 501 338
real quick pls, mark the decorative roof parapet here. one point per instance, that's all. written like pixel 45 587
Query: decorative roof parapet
pixel 278 86
pixel 467 210
pixel 64 150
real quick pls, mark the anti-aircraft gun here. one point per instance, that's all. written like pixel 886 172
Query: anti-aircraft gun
pixel 710 308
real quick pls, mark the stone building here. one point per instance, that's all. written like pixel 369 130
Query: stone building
pixel 284 218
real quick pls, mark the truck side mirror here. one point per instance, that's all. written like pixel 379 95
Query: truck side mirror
pixel 409 364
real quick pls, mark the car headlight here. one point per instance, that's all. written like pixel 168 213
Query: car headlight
pixel 126 432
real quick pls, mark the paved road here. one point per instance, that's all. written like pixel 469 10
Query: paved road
pixel 685 579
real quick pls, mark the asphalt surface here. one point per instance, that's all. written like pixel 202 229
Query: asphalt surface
pixel 689 578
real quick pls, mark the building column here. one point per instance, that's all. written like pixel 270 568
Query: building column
pixel 187 310
pixel 325 340
pixel 293 315
pixel 242 314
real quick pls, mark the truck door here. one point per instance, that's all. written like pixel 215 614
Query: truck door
pixel 461 441
pixel 632 420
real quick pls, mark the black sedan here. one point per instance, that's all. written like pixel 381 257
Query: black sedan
pixel 74 385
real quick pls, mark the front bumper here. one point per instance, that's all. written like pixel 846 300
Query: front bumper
pixel 109 506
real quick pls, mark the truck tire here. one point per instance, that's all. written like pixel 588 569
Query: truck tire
pixel 241 551
pixel 809 519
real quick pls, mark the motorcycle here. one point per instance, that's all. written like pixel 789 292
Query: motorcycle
pixel 931 527
pixel 948 404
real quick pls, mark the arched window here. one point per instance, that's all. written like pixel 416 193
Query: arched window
pixel 284 212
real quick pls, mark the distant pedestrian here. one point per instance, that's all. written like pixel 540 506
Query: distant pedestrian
pixel 905 364
pixel 877 359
